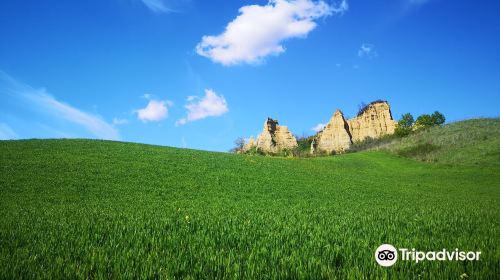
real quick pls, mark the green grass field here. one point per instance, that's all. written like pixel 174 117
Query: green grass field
pixel 99 209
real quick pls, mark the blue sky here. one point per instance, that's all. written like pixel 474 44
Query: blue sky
pixel 199 74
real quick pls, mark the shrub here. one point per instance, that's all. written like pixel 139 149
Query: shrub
pixel 371 143
pixel 420 150
pixel 426 121
pixel 285 153
pixel 254 151
pixel 303 148
pixel 405 125
pixel 438 118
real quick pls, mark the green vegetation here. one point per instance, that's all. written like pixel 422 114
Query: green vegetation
pixel 303 146
pixel 472 142
pixel 100 209
pixel 372 143
pixel 405 125
pixel 418 150
pixel 426 121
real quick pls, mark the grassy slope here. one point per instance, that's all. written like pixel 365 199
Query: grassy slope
pixel 473 142
pixel 95 208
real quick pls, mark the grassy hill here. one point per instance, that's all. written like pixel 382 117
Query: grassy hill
pixel 89 209
pixel 472 142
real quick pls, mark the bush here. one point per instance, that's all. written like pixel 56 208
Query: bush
pixel 371 143
pixel 405 125
pixel 303 146
pixel 254 151
pixel 438 118
pixel 426 121
pixel 285 153
pixel 418 151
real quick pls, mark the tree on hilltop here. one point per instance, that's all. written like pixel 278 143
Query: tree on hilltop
pixel 405 125
pixel 426 120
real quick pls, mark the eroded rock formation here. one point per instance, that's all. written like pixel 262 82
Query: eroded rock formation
pixel 335 136
pixel 374 121
pixel 273 139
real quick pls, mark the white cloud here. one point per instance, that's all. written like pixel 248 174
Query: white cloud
pixel 93 123
pixel 211 105
pixel 367 51
pixel 6 133
pixel 319 127
pixel 340 8
pixel 259 31
pixel 39 100
pixel 157 6
pixel 156 110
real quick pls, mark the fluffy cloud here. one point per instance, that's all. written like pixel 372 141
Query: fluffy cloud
pixel 156 110
pixel 367 51
pixel 319 127
pixel 260 30
pixel 211 105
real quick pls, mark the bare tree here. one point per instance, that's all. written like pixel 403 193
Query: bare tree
pixel 239 143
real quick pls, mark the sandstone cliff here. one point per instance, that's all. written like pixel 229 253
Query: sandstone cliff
pixel 335 136
pixel 273 139
pixel 374 121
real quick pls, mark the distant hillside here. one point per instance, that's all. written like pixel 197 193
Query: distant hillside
pixel 473 142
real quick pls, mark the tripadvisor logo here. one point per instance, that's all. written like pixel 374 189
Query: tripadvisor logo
pixel 387 255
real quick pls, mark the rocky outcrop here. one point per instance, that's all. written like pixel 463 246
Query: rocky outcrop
pixel 284 138
pixel 335 136
pixel 374 121
pixel 273 139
